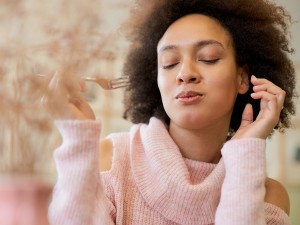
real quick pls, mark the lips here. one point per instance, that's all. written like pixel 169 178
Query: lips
pixel 189 97
pixel 188 94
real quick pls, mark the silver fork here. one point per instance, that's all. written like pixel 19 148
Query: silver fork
pixel 106 83
pixel 109 84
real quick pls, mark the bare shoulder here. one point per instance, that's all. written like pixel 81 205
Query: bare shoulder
pixel 106 153
pixel 276 194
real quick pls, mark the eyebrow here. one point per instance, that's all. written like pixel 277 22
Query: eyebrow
pixel 199 44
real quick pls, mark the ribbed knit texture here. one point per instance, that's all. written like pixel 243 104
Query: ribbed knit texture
pixel 151 183
pixel 78 185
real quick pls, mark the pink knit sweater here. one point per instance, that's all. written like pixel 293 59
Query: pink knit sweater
pixel 151 183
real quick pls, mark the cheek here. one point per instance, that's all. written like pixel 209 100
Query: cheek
pixel 223 85
pixel 160 83
pixel 224 89
pixel 163 84
pixel 224 79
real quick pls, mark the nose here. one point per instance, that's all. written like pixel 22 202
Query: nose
pixel 188 73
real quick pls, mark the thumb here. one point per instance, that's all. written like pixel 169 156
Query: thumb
pixel 247 116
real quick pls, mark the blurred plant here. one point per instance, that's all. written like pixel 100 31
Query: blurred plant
pixel 38 37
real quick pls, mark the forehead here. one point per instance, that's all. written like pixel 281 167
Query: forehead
pixel 195 27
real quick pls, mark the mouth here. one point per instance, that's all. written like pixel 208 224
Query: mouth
pixel 189 97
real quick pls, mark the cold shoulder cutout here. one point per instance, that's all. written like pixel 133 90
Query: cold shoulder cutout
pixel 105 155
pixel 277 195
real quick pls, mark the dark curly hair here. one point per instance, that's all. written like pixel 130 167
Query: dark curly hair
pixel 259 32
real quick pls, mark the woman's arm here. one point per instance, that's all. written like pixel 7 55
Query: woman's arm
pixel 78 197
pixel 243 190
pixel 246 189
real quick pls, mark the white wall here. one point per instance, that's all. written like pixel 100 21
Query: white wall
pixel 293 6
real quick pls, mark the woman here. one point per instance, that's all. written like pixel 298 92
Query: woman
pixel 210 80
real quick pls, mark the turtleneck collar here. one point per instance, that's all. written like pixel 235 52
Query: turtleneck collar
pixel 182 190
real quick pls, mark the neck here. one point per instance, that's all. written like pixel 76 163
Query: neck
pixel 201 145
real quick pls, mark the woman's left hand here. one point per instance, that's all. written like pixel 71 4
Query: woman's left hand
pixel 271 103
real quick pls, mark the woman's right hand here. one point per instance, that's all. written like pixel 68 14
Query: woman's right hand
pixel 63 98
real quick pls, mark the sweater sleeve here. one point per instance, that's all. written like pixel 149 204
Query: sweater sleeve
pixel 243 189
pixel 78 197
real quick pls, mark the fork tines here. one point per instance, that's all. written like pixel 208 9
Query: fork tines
pixel 120 82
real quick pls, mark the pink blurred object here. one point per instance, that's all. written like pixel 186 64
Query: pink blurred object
pixel 24 200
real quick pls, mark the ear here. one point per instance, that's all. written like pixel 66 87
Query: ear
pixel 244 79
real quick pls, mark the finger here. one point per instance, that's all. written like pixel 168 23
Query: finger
pixel 67 84
pixel 76 99
pixel 247 116
pixel 54 91
pixel 261 84
pixel 55 81
pixel 63 99
pixel 81 105
pixel 83 86
pixel 75 84
pixel 263 95
pixel 271 88
pixel 259 81
pixel 56 99
pixel 273 102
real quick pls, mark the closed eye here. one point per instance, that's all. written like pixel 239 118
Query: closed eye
pixel 211 61
pixel 170 66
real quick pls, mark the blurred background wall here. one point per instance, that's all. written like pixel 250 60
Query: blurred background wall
pixel 284 149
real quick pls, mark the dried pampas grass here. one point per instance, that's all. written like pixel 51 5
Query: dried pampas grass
pixel 38 37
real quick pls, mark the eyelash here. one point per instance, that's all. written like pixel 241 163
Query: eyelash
pixel 209 62
pixel 167 67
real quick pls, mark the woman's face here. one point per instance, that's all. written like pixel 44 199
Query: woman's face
pixel 198 77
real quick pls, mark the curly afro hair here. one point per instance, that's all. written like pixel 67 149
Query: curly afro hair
pixel 259 32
